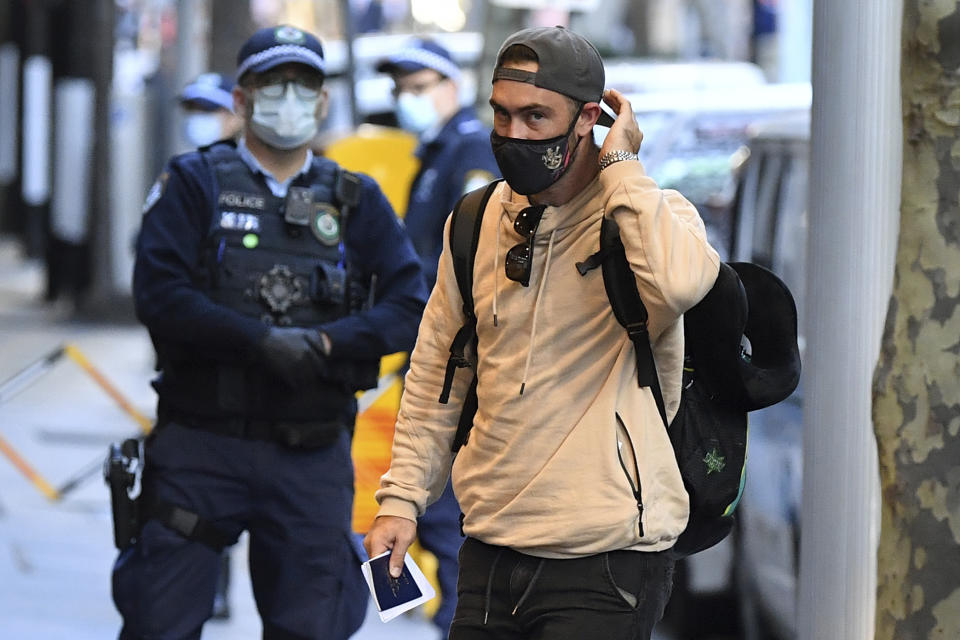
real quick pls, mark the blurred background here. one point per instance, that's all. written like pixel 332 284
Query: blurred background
pixel 88 94
pixel 88 115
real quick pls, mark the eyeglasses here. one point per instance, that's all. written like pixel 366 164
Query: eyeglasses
pixel 416 89
pixel 274 85
pixel 519 262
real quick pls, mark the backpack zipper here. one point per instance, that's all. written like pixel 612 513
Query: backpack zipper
pixel 635 488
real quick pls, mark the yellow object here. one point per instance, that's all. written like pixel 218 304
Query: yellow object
pixel 84 363
pixel 38 481
pixel 386 155
pixel 383 153
pixel 77 356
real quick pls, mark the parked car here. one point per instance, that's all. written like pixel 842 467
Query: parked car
pixel 741 158
pixel 694 139
pixel 771 221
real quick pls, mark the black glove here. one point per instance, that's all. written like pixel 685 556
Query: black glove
pixel 295 354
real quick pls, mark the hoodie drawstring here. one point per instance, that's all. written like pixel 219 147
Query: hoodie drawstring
pixel 529 589
pixel 523 597
pixel 486 600
pixel 536 311
pixel 496 265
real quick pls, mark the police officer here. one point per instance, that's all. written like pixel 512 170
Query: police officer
pixel 454 146
pixel 207 104
pixel 455 157
pixel 271 282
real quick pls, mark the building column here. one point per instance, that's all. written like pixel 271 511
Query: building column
pixel 854 213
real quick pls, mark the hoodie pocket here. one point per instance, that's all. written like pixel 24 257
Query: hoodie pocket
pixel 627 455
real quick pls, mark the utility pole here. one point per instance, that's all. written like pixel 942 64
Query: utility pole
pixel 74 109
pixel 854 212
pixel 10 14
pixel 36 120
pixel 230 26
pixel 102 298
pixel 193 58
pixel 346 23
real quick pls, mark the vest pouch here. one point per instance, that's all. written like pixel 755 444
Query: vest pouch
pixel 328 284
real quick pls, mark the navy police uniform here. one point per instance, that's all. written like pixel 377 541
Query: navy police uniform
pixel 224 252
pixel 456 161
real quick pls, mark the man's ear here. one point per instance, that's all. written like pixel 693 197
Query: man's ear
pixel 323 104
pixel 588 117
pixel 239 101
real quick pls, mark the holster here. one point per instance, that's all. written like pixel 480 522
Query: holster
pixel 123 471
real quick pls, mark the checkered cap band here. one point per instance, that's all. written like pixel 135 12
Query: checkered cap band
pixel 282 53
pixel 427 59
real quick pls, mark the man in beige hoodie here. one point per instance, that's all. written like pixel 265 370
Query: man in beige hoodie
pixel 569 487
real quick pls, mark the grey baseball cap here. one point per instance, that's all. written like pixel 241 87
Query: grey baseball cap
pixel 568 64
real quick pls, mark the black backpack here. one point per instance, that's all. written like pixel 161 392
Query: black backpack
pixel 738 357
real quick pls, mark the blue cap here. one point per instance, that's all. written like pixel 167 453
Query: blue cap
pixel 419 55
pixel 209 91
pixel 272 46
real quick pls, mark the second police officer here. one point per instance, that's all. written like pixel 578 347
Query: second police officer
pixel 455 157
pixel 207 107
pixel 453 145
pixel 271 282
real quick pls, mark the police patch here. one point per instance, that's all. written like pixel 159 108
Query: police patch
pixel 476 178
pixel 155 192
pixel 326 224
pixel 288 35
pixel 243 200
pixel 239 221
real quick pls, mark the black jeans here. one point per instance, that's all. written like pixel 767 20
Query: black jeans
pixel 506 595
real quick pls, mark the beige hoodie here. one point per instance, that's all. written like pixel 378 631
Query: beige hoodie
pixel 549 472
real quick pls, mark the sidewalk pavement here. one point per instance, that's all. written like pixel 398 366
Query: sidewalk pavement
pixel 56 555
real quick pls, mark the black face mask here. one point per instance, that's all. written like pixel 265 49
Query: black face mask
pixel 530 166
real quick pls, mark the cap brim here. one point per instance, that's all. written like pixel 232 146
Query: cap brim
pixel 399 67
pixel 276 61
pixel 202 103
pixel 208 98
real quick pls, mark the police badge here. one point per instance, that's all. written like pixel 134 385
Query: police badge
pixel 326 224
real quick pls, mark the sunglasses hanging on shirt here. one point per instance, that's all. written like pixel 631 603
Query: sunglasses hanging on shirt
pixel 519 261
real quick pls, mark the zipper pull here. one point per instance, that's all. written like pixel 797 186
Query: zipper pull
pixel 640 513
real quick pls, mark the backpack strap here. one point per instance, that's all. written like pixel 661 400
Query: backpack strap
pixel 621 286
pixel 465 222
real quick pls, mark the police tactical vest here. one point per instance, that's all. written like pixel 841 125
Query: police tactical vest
pixel 279 260
pixel 282 261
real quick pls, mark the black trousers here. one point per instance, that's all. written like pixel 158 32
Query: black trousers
pixel 506 595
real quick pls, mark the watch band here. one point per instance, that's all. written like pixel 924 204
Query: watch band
pixel 615 156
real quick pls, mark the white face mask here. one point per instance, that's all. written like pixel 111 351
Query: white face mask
pixel 416 113
pixel 201 129
pixel 286 122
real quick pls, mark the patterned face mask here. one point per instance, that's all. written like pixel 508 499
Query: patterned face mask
pixel 531 166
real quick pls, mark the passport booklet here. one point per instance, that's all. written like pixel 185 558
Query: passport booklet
pixel 393 596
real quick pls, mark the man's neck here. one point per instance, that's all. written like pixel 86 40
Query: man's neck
pixel 281 163
pixel 581 173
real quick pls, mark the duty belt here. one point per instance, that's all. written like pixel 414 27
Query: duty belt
pixel 307 434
